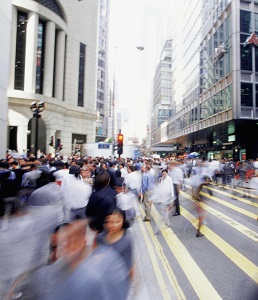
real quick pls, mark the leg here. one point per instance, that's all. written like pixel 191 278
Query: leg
pixel 201 219
pixel 147 207
pixel 176 201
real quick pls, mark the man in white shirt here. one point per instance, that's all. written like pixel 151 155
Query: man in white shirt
pixel 177 176
pixel 133 180
pixel 121 167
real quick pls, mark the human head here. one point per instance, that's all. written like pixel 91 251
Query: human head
pixel 54 240
pixel 164 173
pixel 102 179
pixel 69 241
pixel 74 170
pixel 173 164
pixel 115 220
pixel 85 172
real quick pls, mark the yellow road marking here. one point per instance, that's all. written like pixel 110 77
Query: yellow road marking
pixel 241 228
pixel 234 196
pixel 159 276
pixel 196 277
pixel 227 204
pixel 240 260
pixel 171 276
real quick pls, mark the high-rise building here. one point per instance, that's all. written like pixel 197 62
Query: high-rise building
pixel 162 94
pixel 214 79
pixel 53 60
pixel 103 95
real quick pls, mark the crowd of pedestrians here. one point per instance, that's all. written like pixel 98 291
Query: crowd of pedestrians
pixel 100 197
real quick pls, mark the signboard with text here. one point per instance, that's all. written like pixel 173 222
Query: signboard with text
pixel 103 146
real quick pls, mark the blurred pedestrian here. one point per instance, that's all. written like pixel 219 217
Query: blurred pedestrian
pixel 101 201
pixel 133 180
pixel 148 186
pixel 76 194
pixel 177 176
pixel 163 196
pixel 198 182
pixel 74 272
pixel 116 235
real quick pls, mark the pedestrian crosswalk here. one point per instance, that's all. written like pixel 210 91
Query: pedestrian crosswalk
pixel 213 266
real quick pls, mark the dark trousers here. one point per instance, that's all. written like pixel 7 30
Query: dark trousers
pixel 176 201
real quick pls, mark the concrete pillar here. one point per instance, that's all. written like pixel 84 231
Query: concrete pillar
pixel 60 63
pixel 49 59
pixel 5 33
pixel 13 47
pixel 31 53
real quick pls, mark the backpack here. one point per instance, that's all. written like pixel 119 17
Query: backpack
pixel 229 168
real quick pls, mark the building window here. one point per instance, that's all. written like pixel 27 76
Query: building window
pixel 245 21
pixel 20 51
pixel 40 57
pixel 81 74
pixel 246 54
pixel 256 59
pixel 100 95
pixel 99 131
pixel 246 94
pixel 100 105
pixel 256 95
pixel 53 6
pixel 228 97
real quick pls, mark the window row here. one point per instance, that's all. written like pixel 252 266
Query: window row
pixel 20 64
pixel 218 103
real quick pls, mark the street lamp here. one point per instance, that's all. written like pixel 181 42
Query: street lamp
pixel 36 108
pixel 113 100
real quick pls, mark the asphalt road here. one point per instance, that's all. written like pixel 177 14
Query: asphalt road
pixel 223 264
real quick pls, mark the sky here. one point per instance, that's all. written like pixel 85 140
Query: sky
pixel 134 23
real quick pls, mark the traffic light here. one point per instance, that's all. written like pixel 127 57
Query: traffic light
pixel 51 141
pixel 120 143
pixel 120 140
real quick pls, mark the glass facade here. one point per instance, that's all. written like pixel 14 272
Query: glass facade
pixel 215 57
pixel 81 74
pixel 249 58
pixel 20 51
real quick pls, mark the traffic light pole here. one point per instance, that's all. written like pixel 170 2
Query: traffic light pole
pixel 120 143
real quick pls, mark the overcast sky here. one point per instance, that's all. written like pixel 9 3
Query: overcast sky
pixel 137 23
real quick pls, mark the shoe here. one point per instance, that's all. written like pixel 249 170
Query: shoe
pixel 176 214
pixel 198 234
pixel 146 220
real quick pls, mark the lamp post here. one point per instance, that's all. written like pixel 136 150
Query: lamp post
pixel 37 108
pixel 113 100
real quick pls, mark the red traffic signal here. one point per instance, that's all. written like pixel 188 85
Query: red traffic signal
pixel 120 140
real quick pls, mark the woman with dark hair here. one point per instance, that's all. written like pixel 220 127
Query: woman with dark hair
pixel 101 201
pixel 116 235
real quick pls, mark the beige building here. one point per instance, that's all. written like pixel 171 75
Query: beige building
pixel 5 32
pixel 53 62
